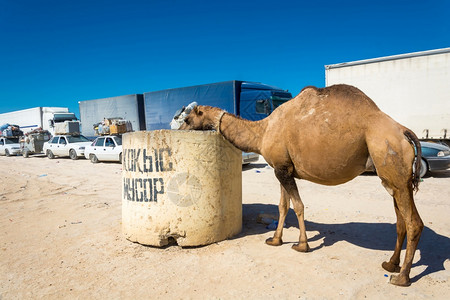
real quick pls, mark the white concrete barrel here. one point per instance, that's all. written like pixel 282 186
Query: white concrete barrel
pixel 180 185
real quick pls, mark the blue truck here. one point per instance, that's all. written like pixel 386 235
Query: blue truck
pixel 155 110
pixel 249 100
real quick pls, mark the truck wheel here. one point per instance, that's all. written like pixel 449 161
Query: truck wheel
pixel 50 154
pixel 7 152
pixel 25 153
pixel 423 168
pixel 93 158
pixel 120 157
pixel 73 154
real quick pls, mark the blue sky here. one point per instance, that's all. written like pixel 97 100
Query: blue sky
pixel 57 52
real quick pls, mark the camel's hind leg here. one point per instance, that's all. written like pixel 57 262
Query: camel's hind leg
pixel 283 209
pixel 393 157
pixel 407 218
pixel 287 181
pixel 393 265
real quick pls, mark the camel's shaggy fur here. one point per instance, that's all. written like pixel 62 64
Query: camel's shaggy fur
pixel 327 136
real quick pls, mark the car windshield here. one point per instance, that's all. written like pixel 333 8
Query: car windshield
pixel 77 139
pixel 118 140
pixel 12 141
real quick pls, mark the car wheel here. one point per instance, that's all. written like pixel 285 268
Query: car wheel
pixel 423 168
pixel 120 157
pixel 7 152
pixel 73 154
pixel 93 158
pixel 50 154
pixel 25 153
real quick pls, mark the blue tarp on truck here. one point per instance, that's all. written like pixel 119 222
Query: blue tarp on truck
pixel 250 100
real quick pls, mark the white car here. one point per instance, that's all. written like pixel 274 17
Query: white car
pixel 66 145
pixel 105 148
pixel 9 146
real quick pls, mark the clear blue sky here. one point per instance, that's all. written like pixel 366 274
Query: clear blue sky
pixel 58 52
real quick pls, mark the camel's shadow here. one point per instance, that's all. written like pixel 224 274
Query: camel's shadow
pixel 434 248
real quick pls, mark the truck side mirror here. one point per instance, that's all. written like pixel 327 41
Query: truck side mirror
pixel 51 123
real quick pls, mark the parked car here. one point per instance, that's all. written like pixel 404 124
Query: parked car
pixel 9 146
pixel 66 145
pixel 105 148
pixel 435 157
pixel 249 157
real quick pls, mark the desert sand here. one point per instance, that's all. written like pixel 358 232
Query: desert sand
pixel 61 238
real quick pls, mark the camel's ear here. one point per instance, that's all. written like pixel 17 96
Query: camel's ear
pixel 198 111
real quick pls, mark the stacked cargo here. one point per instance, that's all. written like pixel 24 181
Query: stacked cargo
pixel 67 127
pixel 113 126
pixel 10 130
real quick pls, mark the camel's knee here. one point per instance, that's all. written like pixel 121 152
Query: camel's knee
pixel 387 187
pixel 415 230
pixel 401 228
pixel 299 208
pixel 283 206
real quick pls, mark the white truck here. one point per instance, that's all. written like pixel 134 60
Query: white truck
pixel 412 88
pixel 46 118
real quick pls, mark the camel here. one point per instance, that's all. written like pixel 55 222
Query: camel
pixel 329 136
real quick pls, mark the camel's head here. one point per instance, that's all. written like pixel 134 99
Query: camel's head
pixel 201 118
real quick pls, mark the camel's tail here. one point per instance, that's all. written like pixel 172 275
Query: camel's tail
pixel 417 164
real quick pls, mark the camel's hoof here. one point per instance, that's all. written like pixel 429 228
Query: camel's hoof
pixel 274 241
pixel 390 267
pixel 303 247
pixel 400 280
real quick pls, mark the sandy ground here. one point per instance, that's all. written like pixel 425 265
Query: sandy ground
pixel 61 238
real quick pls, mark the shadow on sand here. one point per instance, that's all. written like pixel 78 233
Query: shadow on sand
pixel 434 248
pixel 254 166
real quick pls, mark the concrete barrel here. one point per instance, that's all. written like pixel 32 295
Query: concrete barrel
pixel 180 185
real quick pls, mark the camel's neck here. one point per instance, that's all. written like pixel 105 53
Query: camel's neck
pixel 243 134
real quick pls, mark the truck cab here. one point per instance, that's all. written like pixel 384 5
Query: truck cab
pixel 258 100
pixel 9 146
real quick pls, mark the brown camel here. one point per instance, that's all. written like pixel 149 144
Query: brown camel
pixel 328 136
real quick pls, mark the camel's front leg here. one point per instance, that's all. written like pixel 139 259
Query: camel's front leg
pixel 283 209
pixel 287 180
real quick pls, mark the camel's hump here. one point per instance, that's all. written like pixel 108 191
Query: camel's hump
pixel 342 92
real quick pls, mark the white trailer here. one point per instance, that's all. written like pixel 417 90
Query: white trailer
pixel 43 117
pixel 413 88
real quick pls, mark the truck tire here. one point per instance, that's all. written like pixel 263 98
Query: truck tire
pixel 120 157
pixel 73 154
pixel 93 158
pixel 50 154
pixel 423 168
pixel 25 153
pixel 7 152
